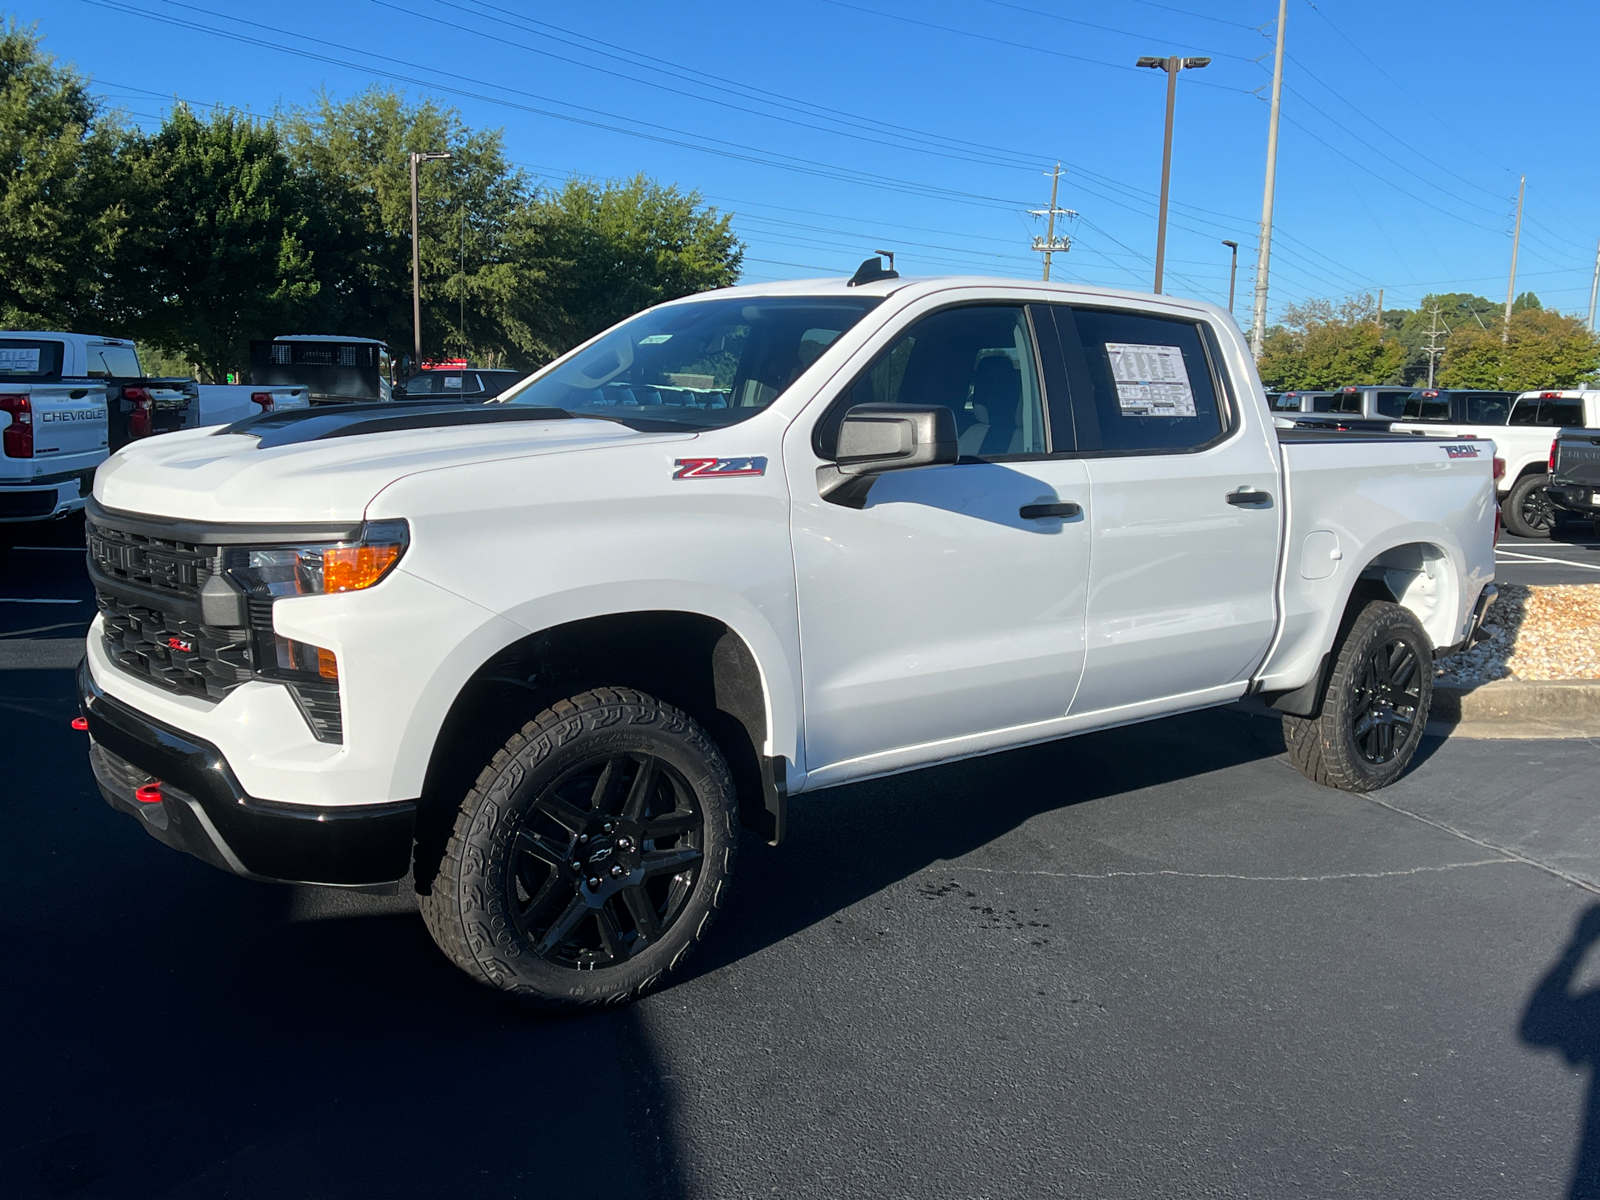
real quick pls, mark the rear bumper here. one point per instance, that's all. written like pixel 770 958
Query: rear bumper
pixel 203 811
pixel 45 497
pixel 1574 497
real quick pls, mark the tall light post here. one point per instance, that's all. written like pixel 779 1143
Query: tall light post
pixel 1171 66
pixel 416 258
pixel 1233 271
pixel 1258 320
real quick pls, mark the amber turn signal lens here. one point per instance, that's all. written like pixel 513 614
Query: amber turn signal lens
pixel 351 568
pixel 327 664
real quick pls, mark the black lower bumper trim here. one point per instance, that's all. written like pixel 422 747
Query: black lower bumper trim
pixel 205 812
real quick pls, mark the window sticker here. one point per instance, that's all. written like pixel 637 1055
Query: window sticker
pixel 1152 381
pixel 453 381
pixel 19 360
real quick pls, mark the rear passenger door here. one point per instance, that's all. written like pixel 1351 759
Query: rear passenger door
pixel 1184 511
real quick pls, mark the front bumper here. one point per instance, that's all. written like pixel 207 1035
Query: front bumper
pixel 204 811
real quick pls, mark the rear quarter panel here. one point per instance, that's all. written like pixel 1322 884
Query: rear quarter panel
pixel 1352 503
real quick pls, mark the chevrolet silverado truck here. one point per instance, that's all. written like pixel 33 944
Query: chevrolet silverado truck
pixel 1575 474
pixel 542 658
pixel 1524 434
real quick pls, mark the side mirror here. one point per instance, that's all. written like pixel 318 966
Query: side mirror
pixel 874 438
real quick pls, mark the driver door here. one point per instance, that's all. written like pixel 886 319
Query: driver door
pixel 949 610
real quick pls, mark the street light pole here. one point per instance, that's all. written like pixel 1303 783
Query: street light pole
pixel 1511 284
pixel 1171 65
pixel 1233 271
pixel 1594 288
pixel 1258 321
pixel 416 259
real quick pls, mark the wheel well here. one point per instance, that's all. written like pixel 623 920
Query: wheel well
pixel 1533 468
pixel 1419 577
pixel 690 661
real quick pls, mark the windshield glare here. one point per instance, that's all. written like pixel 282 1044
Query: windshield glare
pixel 704 364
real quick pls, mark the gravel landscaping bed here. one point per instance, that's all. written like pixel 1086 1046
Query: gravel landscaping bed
pixel 1535 633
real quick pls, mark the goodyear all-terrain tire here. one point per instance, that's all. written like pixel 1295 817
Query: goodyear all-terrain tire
pixel 1528 511
pixel 1375 708
pixel 591 855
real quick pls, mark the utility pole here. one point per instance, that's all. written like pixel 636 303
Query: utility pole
pixel 1511 284
pixel 1050 244
pixel 461 328
pixel 1171 65
pixel 1233 271
pixel 1380 310
pixel 1433 348
pixel 416 259
pixel 1594 288
pixel 1258 326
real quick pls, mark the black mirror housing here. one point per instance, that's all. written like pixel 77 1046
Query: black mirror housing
pixel 874 438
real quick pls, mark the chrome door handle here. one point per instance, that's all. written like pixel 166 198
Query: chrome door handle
pixel 1032 512
pixel 1248 497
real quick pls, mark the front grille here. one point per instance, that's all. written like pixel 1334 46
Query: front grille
pixel 173 567
pixel 180 655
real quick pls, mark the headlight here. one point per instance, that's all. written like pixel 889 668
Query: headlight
pixel 324 567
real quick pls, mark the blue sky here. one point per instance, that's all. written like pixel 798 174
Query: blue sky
pixel 832 128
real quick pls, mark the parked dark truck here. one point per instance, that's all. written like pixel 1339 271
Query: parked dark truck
pixel 1575 474
pixel 336 370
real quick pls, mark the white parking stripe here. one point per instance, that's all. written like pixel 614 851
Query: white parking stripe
pixel 1513 559
pixel 13 600
pixel 65 549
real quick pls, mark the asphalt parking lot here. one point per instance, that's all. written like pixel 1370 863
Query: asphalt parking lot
pixel 1154 961
pixel 1571 556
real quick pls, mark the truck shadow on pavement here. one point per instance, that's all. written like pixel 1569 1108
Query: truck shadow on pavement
pixel 1556 1019
pixel 848 843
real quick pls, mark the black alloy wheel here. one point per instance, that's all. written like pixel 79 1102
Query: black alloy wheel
pixel 605 860
pixel 1528 511
pixel 1374 707
pixel 1388 691
pixel 590 857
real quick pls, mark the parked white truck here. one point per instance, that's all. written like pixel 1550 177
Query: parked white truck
pixel 1524 435
pixel 546 655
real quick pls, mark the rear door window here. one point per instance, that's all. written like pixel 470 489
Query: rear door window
pixel 25 361
pixel 1140 383
pixel 1392 403
pixel 1561 412
pixel 1346 402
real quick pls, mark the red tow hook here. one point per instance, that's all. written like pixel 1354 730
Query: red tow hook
pixel 80 723
pixel 149 793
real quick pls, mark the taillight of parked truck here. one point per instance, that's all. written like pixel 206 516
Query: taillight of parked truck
pixel 1553 446
pixel 17 440
pixel 1499 469
pixel 264 399
pixel 139 419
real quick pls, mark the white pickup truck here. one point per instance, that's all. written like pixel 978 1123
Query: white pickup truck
pixel 1523 435
pixel 546 655
pixel 225 403
pixel 53 431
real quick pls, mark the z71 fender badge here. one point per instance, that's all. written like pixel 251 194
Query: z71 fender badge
pixel 1467 451
pixel 718 468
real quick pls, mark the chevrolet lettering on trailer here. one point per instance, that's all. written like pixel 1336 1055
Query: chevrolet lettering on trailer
pixel 507 651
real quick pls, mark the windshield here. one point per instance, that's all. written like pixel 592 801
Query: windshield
pixel 703 364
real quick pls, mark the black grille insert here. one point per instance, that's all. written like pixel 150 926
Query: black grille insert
pixel 180 655
pixel 171 567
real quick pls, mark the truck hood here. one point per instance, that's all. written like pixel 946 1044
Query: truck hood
pixel 329 466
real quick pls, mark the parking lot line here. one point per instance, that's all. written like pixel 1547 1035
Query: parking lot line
pixel 17 600
pixel 1511 558
pixel 66 549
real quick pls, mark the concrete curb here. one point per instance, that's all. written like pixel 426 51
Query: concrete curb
pixel 1515 708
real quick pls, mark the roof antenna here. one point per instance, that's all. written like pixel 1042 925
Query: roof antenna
pixel 871 270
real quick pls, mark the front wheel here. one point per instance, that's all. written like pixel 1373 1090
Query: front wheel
pixel 1528 511
pixel 1375 707
pixel 591 855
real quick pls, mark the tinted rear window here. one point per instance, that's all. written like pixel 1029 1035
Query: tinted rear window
pixel 1345 402
pixel 1489 408
pixel 29 361
pixel 1562 412
pixel 1391 404
pixel 1426 408
pixel 112 362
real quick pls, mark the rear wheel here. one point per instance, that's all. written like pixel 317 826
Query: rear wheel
pixel 1528 511
pixel 1375 707
pixel 591 855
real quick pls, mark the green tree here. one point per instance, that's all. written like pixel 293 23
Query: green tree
pixel 352 157
pixel 1323 345
pixel 62 194
pixel 605 251
pixel 218 248
pixel 1545 350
